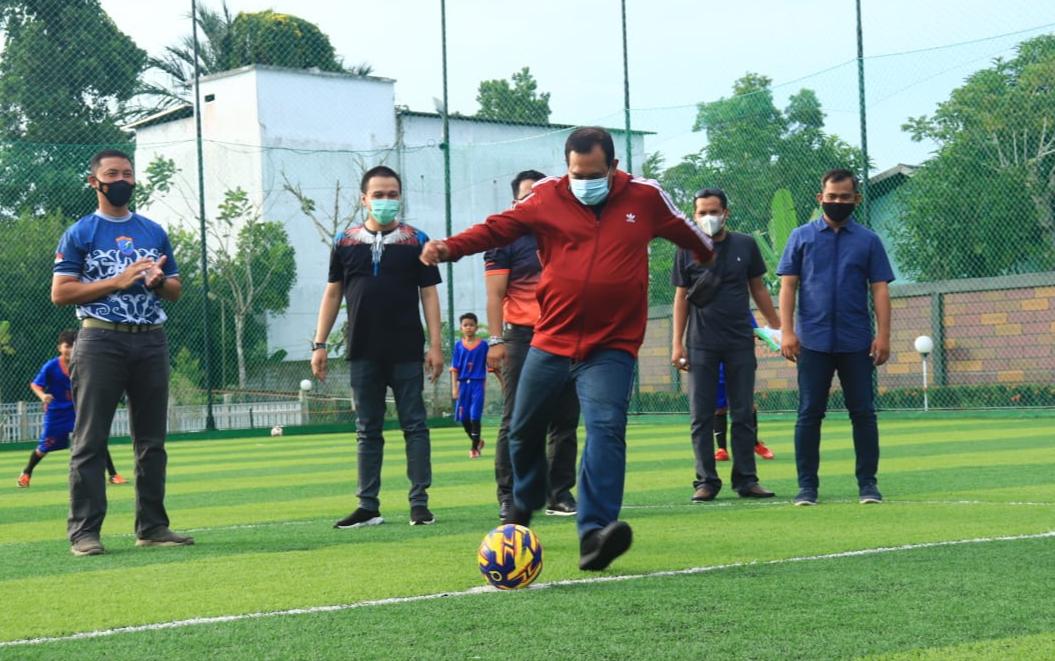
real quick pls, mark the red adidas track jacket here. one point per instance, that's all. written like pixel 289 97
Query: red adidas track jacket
pixel 593 292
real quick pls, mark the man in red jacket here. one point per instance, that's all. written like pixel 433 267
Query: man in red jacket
pixel 593 228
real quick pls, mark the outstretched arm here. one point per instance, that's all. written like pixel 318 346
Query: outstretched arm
pixel 498 230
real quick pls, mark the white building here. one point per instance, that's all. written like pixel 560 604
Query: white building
pixel 266 127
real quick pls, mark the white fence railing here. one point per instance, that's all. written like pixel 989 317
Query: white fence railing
pixel 22 421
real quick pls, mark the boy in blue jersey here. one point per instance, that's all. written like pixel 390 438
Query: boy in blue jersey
pixel 52 387
pixel 117 267
pixel 469 381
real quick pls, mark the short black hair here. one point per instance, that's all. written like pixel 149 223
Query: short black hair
pixel 379 171
pixel 469 315
pixel 838 174
pixel 526 175
pixel 712 192
pixel 97 159
pixel 68 337
pixel 583 139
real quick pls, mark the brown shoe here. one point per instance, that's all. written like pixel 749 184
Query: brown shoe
pixel 87 546
pixel 756 491
pixel 165 537
pixel 704 493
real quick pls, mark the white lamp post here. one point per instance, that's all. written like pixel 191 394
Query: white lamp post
pixel 924 345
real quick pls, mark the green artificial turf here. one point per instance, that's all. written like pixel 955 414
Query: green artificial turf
pixel 261 510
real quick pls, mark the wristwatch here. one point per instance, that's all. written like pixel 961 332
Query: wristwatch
pixel 493 340
pixel 315 346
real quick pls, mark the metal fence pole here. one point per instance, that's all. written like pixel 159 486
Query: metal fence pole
pixel 636 404
pixel 864 124
pixel 447 176
pixel 210 422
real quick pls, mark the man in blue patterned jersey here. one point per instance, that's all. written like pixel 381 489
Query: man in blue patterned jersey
pixel 116 267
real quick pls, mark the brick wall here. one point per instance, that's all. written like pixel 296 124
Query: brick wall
pixel 1002 336
pixel 994 330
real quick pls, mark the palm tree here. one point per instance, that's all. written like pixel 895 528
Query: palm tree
pixel 169 81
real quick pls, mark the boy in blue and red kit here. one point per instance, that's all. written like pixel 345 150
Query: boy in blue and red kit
pixel 469 372
pixel 52 387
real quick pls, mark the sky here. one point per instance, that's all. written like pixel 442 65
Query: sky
pixel 681 52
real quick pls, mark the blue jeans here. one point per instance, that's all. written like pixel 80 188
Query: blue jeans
pixel 815 370
pixel 603 383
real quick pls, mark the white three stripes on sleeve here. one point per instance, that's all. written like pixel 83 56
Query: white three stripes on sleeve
pixel 700 234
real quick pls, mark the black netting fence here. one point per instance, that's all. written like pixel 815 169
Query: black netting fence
pixel 288 127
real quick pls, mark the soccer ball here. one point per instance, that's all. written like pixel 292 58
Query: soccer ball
pixel 276 430
pixel 510 557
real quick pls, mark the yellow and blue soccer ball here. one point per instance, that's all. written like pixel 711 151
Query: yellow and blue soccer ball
pixel 510 557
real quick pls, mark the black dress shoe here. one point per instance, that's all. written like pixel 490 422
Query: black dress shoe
pixel 756 491
pixel 704 493
pixel 599 548
pixel 504 509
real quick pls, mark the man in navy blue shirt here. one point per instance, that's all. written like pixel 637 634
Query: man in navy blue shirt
pixel 116 266
pixel 832 263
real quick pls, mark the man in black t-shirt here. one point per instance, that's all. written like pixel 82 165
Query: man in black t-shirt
pixel 375 267
pixel 719 333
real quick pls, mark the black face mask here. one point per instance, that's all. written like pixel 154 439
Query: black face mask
pixel 117 193
pixel 837 212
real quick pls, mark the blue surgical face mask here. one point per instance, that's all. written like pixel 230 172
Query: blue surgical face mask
pixel 590 191
pixel 384 211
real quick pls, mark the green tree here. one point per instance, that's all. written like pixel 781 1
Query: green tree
pixel 753 149
pixel 254 266
pixel 27 245
pixel 771 243
pixel 227 42
pixel 519 102
pixel 985 204
pixel 66 76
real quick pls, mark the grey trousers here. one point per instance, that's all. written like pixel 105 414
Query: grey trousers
pixel 106 364
pixel 370 381
pixel 740 367
pixel 562 443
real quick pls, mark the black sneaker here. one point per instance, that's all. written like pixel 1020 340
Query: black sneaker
pixel 360 518
pixel 806 498
pixel 517 517
pixel 869 495
pixel 562 508
pixel 599 548
pixel 504 508
pixel 421 516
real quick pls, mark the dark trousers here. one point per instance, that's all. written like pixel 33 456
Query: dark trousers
pixel 602 381
pixel 815 370
pixel 562 444
pixel 370 381
pixel 105 365
pixel 740 367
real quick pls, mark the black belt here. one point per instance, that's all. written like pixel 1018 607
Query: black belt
pixel 123 328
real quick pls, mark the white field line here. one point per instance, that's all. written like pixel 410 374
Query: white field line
pixel 221 619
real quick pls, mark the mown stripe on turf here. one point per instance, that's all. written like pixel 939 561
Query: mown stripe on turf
pixel 540 586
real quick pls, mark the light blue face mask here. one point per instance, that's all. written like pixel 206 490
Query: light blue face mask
pixel 589 191
pixel 384 211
